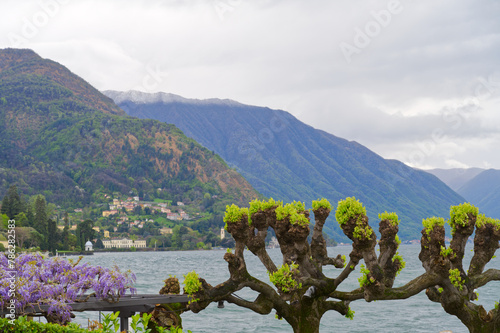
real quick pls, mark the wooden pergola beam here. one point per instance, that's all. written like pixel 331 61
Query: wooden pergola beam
pixel 127 305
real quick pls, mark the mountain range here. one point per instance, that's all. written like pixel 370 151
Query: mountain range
pixel 478 186
pixel 62 138
pixel 288 160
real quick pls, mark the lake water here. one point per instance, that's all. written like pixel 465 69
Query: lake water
pixel 416 314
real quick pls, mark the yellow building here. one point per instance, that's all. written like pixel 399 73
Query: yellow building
pixel 123 243
pixel 107 213
pixel 165 231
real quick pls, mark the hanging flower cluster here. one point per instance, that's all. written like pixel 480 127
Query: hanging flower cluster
pixel 56 282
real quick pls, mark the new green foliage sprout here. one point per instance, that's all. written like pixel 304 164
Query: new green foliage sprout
pixel 459 215
pixel 257 205
pixel 192 284
pixel 350 314
pixel 284 279
pixel 402 263
pixel 233 214
pixel 361 232
pixel 398 241
pixel 299 206
pixel 392 217
pixel 482 220
pixel 364 279
pixel 445 252
pixel 323 203
pixel 349 208
pixel 294 211
pixel 455 278
pixel 431 222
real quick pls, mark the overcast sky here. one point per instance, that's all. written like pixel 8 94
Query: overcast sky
pixel 417 81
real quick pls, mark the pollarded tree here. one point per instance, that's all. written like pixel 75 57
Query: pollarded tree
pixel 445 278
pixel 302 293
pixel 455 287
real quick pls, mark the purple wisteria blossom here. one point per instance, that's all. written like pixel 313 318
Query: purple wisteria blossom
pixel 57 282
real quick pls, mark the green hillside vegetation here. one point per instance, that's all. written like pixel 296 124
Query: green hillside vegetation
pixel 42 225
pixel 62 138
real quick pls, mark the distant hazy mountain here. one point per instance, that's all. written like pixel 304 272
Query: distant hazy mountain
pixel 478 186
pixel 484 192
pixel 455 178
pixel 61 137
pixel 288 160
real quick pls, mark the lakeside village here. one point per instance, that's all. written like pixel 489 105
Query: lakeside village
pixel 118 223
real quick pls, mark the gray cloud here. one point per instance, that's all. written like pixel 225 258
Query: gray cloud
pixel 418 67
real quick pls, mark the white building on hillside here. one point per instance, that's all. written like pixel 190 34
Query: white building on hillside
pixel 124 243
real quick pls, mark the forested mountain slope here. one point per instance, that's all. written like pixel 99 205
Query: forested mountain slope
pixel 288 160
pixel 61 137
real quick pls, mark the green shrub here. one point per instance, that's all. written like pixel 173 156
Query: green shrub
pixel 22 325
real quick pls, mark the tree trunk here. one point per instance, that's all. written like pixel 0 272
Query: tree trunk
pixel 306 317
pixel 486 328
pixel 307 325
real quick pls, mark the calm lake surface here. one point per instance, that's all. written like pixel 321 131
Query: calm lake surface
pixel 416 314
